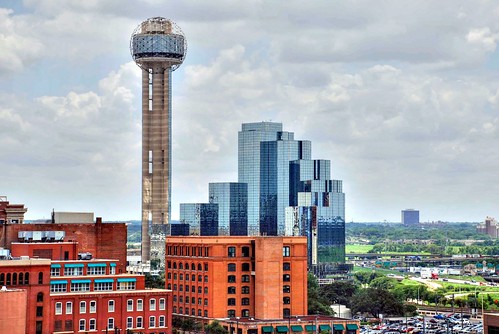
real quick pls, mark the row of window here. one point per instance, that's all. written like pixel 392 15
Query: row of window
pixel 193 311
pixel 232 301
pixel 98 286
pixel 232 290
pixel 78 271
pixel 92 323
pixel 232 278
pixel 193 288
pixel 14 279
pixel 192 299
pixel 139 304
pixel 192 266
pixel 188 251
pixel 232 313
pixel 231 251
pixel 193 277
pixel 244 267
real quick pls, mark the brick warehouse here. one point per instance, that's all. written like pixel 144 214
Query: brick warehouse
pixel 224 277
pixel 102 240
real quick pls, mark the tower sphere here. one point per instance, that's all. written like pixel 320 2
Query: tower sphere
pixel 158 42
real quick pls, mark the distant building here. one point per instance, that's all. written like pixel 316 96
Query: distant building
pixel 11 213
pixel 410 216
pixel 489 227
pixel 202 218
pixel 232 200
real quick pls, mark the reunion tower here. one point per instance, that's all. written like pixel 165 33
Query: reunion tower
pixel 158 46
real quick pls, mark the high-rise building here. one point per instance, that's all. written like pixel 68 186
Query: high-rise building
pixel 158 46
pixel 249 139
pixel 410 216
pixel 232 200
pixel 317 210
pixel 202 218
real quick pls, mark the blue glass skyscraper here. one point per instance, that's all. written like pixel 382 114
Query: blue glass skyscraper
pixel 232 200
pixel 202 218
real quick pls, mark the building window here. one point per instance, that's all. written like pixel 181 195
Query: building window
pixel 39 297
pixel 231 313
pixel 231 290
pixel 93 306
pixel 286 313
pixel 200 289
pixel 110 323
pixel 174 287
pixel 200 268
pixel 9 279
pixel 162 304
pixel 245 251
pixel 162 321
pixel 126 286
pixel 58 308
pixel 206 267
pixel 110 306
pixel 129 322
pixel 245 301
pixel 206 302
pixel 246 267
pixel 180 265
pixel 80 286
pixel 245 278
pixel 206 279
pixel 193 311
pixel 206 313
pixel 286 251
pixel 26 279
pixel 193 288
pixel 231 302
pixel 286 300
pixel 103 286
pixel 112 270
pixel 193 277
pixel 58 287
pixel 181 277
pixel 181 299
pixel 139 322
pixel 129 305
pixel 152 305
pixel 286 277
pixel 286 266
pixel 245 313
pixel 169 275
pixel 245 290
pixel 205 289
pixel 140 305
pixel 180 310
pixel 174 309
pixel 200 278
pixel 96 270
pixel 69 308
pixel 82 325
pixel 231 279
pixel 55 271
pixel 180 287
pixel 83 307
pixel 40 278
pixel 21 279
pixel 231 251
pixel 231 267
pixel 152 321
pixel 39 311
pixel 199 312
pixel 286 289
pixel 200 301
pixel 91 325
pixel 73 271
pixel 187 277
pixel 58 325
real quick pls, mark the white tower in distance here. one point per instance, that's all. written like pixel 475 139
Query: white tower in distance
pixel 158 46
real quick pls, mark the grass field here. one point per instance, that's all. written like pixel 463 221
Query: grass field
pixel 358 248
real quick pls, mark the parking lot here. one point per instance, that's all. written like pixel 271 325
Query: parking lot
pixel 440 324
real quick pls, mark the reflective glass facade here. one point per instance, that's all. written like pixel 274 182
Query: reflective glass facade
pixel 232 200
pixel 249 139
pixel 202 218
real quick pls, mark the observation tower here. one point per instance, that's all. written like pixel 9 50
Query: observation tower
pixel 158 46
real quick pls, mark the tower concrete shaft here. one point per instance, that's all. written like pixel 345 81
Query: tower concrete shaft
pixel 156 155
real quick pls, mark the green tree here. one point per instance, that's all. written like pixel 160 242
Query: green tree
pixel 340 292
pixel 316 302
pixel 376 302
pixel 214 327
pixel 385 283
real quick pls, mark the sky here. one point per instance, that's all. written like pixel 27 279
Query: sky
pixel 401 96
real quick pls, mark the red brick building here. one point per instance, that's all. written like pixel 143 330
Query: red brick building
pixel 102 240
pixel 228 277
pixel 68 290
pixel 11 213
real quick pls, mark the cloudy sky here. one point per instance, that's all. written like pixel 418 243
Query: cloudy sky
pixel 401 96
